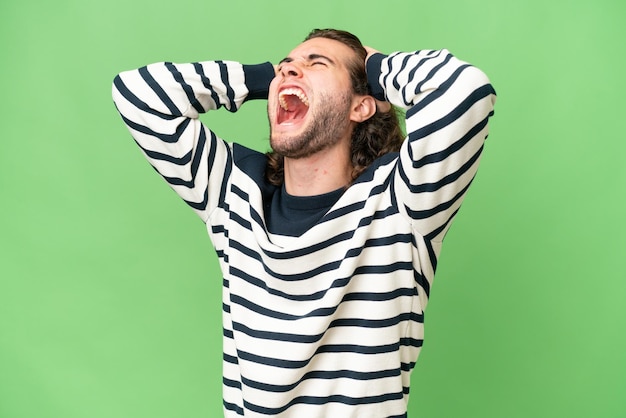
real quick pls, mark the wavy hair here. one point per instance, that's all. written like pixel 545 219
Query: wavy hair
pixel 372 138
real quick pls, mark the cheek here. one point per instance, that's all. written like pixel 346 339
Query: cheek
pixel 333 86
pixel 272 100
pixel 272 89
pixel 272 85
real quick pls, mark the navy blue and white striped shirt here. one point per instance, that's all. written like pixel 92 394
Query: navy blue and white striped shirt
pixel 327 320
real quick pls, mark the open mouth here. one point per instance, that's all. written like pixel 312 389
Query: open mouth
pixel 294 105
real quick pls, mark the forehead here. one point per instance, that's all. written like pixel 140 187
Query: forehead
pixel 336 51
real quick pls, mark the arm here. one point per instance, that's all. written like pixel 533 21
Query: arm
pixel 160 104
pixel 448 104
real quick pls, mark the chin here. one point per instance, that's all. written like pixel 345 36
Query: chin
pixel 283 145
pixel 288 141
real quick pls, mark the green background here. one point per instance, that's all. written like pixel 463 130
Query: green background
pixel 109 288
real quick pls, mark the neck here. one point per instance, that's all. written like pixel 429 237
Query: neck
pixel 323 172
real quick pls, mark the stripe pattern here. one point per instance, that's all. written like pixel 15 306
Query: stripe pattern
pixel 330 323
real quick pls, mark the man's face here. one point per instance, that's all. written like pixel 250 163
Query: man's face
pixel 310 98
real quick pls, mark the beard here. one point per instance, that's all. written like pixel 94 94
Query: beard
pixel 325 129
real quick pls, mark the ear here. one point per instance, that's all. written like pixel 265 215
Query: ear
pixel 363 107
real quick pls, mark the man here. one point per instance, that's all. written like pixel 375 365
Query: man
pixel 328 244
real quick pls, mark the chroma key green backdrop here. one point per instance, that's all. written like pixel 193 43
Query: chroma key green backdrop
pixel 109 289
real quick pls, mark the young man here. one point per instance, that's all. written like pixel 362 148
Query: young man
pixel 328 244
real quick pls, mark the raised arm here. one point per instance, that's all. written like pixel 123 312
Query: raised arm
pixel 448 104
pixel 160 104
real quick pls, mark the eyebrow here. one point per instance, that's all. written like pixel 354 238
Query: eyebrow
pixel 311 57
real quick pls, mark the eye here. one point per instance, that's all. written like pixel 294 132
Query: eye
pixel 318 63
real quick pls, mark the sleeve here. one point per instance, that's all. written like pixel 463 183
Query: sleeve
pixel 160 104
pixel 448 104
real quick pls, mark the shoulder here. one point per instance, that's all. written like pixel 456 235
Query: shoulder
pixel 368 174
pixel 252 163
pixel 246 155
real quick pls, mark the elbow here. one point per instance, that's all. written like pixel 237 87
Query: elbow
pixel 115 88
pixel 482 82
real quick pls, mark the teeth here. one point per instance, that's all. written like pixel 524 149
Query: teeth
pixel 292 92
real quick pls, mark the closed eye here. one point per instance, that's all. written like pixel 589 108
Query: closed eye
pixel 312 59
pixel 319 59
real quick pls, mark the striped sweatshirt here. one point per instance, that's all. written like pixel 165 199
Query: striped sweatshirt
pixel 328 320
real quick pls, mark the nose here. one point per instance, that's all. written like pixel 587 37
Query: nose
pixel 290 69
